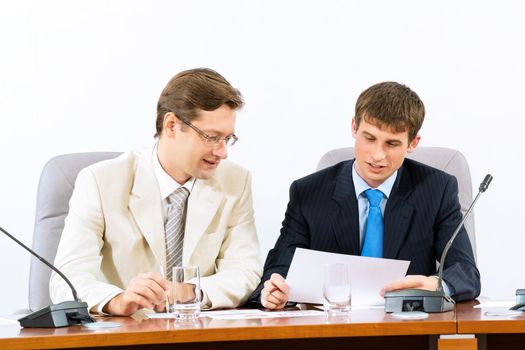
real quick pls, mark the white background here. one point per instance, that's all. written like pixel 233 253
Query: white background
pixel 85 76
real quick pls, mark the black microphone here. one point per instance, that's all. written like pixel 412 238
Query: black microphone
pixel 66 313
pixel 428 300
pixel 485 184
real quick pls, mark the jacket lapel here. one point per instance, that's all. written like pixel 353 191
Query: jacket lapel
pixel 345 220
pixel 398 215
pixel 145 206
pixel 203 203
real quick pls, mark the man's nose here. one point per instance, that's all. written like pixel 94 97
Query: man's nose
pixel 378 153
pixel 220 150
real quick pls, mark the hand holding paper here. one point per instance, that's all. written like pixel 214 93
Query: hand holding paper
pixel 275 292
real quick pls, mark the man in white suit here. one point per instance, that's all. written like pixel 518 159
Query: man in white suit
pixel 113 247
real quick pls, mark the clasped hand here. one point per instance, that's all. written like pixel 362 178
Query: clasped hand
pixel 274 295
pixel 148 290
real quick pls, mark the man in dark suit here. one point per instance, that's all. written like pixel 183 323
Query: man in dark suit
pixel 328 210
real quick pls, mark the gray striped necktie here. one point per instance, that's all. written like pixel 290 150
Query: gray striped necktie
pixel 175 229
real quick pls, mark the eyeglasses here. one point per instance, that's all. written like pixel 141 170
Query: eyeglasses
pixel 212 141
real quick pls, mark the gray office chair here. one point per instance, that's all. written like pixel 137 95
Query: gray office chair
pixel 52 205
pixel 446 159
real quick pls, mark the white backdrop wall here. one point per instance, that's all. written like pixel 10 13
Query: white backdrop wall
pixel 86 75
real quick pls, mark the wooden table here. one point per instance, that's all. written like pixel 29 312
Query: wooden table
pixel 365 329
pixel 493 332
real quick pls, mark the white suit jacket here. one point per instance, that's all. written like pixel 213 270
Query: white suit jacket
pixel 114 231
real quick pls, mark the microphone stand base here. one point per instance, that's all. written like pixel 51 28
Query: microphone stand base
pixel 64 314
pixel 417 300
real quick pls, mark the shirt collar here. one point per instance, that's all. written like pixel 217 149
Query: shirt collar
pixel 166 183
pixel 360 185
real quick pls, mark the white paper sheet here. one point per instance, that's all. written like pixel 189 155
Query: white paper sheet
pixel 368 276
pixel 160 315
pixel 255 313
pixel 230 313
pixel 7 321
pixel 495 303
pixel 240 314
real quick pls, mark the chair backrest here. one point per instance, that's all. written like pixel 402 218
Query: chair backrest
pixel 52 205
pixel 446 159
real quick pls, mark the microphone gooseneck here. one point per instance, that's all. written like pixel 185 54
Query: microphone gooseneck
pixel 430 300
pixel 66 313
pixel 48 264
pixel 482 188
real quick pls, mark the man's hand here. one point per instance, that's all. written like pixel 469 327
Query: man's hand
pixel 412 282
pixel 275 292
pixel 147 290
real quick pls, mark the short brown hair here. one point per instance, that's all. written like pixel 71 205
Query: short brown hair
pixel 391 105
pixel 190 90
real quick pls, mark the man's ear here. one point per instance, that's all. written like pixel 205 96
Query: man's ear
pixel 169 124
pixel 413 144
pixel 354 127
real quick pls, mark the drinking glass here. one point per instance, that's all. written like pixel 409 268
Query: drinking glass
pixel 186 293
pixel 337 295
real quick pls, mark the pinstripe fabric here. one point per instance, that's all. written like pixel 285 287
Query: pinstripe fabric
pixel 420 216
pixel 175 229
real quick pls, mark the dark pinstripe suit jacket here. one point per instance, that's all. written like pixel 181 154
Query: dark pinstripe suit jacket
pixel 420 216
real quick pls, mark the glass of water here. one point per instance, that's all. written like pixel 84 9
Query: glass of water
pixel 186 293
pixel 337 295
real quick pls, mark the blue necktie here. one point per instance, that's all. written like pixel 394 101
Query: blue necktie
pixel 373 245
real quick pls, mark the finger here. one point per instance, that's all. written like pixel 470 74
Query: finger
pixel 268 285
pixel 269 305
pixel 394 286
pixel 158 279
pixel 144 280
pixel 161 308
pixel 274 296
pixel 275 300
pixel 279 283
pixel 274 306
pixel 268 288
pixel 118 306
pixel 130 299
pixel 423 282
pixel 168 294
pixel 411 281
pixel 277 279
pixel 148 288
pixel 278 295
